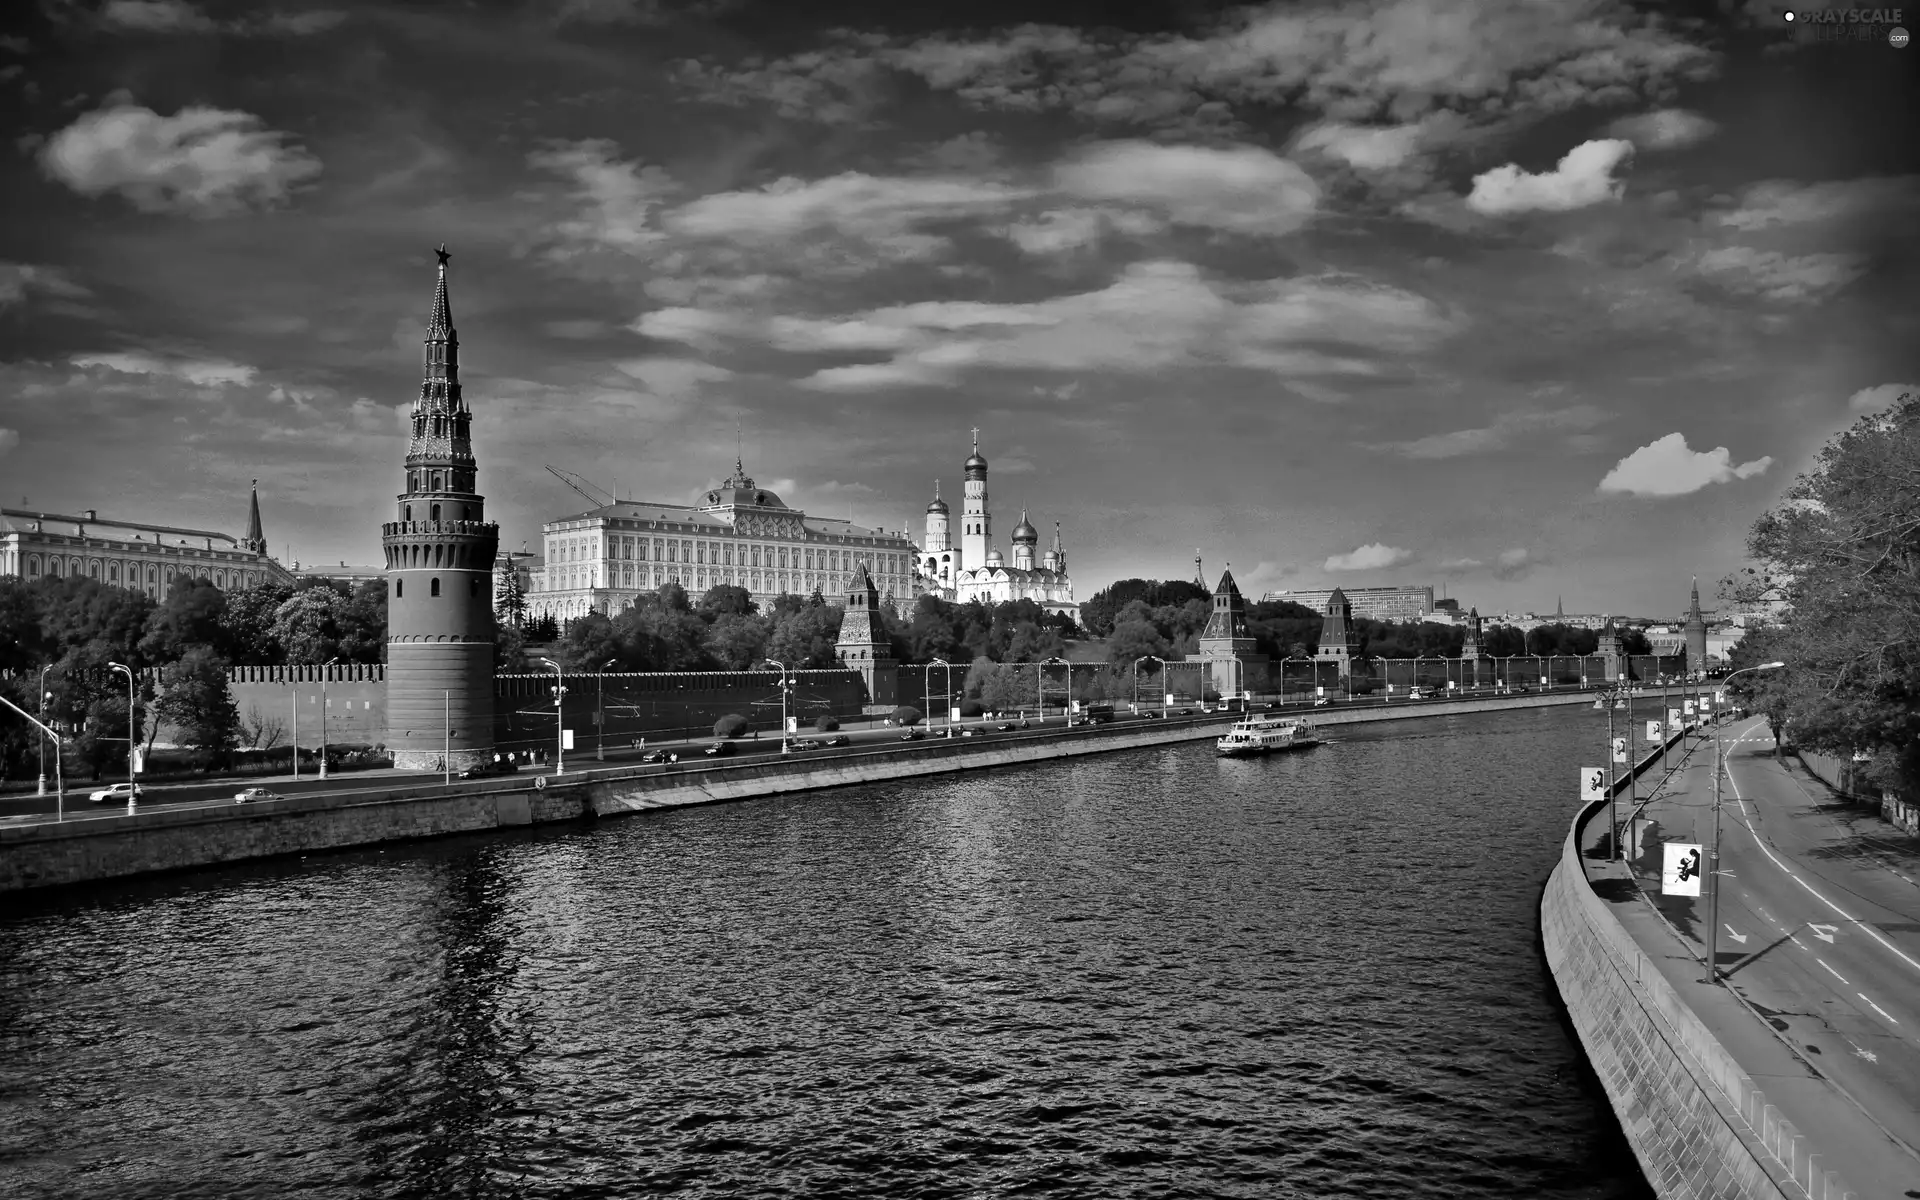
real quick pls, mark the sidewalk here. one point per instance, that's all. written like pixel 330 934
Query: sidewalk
pixel 1848 1137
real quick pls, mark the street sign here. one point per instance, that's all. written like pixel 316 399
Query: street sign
pixel 1593 784
pixel 1620 750
pixel 1653 731
pixel 566 739
pixel 1680 869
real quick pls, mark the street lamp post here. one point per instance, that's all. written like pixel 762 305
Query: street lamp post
pixel 133 796
pixel 783 702
pixel 1713 856
pixel 1163 681
pixel 559 718
pixel 600 711
pixel 294 685
pixel 59 774
pixel 323 714
pixel 446 736
pixel 41 790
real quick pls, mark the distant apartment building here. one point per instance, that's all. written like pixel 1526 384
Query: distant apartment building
pixel 1401 603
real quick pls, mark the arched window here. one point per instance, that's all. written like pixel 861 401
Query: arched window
pixel 436 513
pixel 33 564
pixel 433 588
pixel 398 586
pixel 437 477
pixel 473 586
pixel 406 512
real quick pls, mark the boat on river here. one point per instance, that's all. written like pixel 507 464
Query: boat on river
pixel 1266 735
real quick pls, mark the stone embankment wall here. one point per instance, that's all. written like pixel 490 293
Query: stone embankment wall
pixel 1694 1118
pixel 161 839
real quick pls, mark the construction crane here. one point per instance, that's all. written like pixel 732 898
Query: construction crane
pixel 594 495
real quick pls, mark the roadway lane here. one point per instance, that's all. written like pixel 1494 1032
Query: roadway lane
pixel 1819 922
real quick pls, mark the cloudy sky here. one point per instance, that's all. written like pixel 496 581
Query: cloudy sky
pixel 1525 298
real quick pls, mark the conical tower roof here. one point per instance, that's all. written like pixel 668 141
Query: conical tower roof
pixel 256 539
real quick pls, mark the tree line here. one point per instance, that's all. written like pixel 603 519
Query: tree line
pixel 1841 555
pixel 73 628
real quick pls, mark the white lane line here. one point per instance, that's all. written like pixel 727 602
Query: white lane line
pixel 1832 972
pixel 1852 920
pixel 1875 1007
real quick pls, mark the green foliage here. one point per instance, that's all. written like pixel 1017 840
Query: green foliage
pixel 512 606
pixel 1768 693
pixel 737 639
pixel 906 714
pixel 971 708
pixel 543 632
pixel 308 624
pixel 199 703
pixel 1843 552
pixel 826 723
pixel 509 649
pixel 191 615
pixel 807 638
pixel 727 599
pixel 248 624
pixel 730 726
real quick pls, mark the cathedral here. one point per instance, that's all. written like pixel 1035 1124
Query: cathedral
pixel 974 569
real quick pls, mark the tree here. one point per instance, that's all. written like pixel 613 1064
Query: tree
pixel 308 624
pixel 190 616
pixel 78 611
pixel 906 714
pixel 198 702
pixel 544 632
pixel 590 641
pixel 826 723
pixel 727 599
pixel 1842 550
pixel 1133 637
pixel 261 730
pixel 509 649
pixel 1765 692
pixel 732 725
pixel 512 606
pixel 363 623
pixel 248 625
pixel 737 640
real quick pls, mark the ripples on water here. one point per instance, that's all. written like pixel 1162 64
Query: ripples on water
pixel 1144 974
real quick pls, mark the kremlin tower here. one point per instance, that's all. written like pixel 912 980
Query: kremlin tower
pixel 440 558
pixel 975 534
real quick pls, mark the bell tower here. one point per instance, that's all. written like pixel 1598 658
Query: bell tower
pixel 440 558
pixel 976 532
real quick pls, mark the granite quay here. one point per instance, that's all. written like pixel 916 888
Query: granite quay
pixel 38 852
pixel 1793 1076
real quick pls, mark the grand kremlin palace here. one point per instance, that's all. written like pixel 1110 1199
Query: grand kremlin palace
pixel 741 534
pixel 133 554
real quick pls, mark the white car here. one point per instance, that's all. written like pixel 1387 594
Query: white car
pixel 118 793
pixel 254 793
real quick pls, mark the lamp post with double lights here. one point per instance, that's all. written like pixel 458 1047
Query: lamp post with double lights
pixel 323 714
pixel 600 711
pixel 1163 682
pixel 45 695
pixel 133 795
pixel 783 701
pixel 1713 856
pixel 559 718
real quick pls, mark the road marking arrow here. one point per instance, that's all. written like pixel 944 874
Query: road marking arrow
pixel 1865 1053
pixel 1738 937
pixel 1823 932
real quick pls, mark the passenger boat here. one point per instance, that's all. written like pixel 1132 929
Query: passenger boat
pixel 1264 735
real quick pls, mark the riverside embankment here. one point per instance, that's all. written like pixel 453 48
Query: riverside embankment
pixel 1685 1094
pixel 50 853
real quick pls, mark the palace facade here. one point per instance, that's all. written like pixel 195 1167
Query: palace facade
pixel 134 554
pixel 739 533
pixel 974 569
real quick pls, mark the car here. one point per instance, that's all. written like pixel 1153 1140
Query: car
pixel 912 735
pixel 502 766
pixel 1322 701
pixel 839 739
pixel 117 793
pixel 249 795
pixel 969 731
pixel 654 756
pixel 1186 712
pixel 1006 727
pixel 803 744
pixel 1151 715
pixel 719 750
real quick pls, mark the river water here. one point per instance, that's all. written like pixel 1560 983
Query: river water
pixel 1150 973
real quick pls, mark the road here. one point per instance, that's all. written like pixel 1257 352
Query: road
pixel 1819 921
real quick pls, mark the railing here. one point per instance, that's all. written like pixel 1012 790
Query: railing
pixel 468 528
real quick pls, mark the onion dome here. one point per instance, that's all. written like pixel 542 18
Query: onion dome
pixel 994 559
pixel 976 466
pixel 938 505
pixel 1024 532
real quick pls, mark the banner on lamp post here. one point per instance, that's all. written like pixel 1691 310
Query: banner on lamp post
pixel 1673 718
pixel 1680 869
pixel 1686 706
pixel 1620 750
pixel 566 739
pixel 1654 733
pixel 1593 784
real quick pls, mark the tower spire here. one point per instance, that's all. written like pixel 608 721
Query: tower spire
pixel 256 539
pixel 739 461
pixel 1199 579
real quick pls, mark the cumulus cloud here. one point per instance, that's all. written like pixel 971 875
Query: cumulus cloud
pixel 672 377
pixel 617 199
pixel 1460 564
pixel 1667 468
pixel 1664 129
pixel 1873 399
pixel 9 438
pixel 885 212
pixel 206 373
pixel 1374 556
pixel 200 162
pixel 1244 189
pixel 1514 563
pixel 1771 275
pixel 1583 177
pixel 1366 148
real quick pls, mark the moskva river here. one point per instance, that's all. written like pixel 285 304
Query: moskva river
pixel 1143 974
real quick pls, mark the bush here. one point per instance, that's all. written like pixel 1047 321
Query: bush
pixel 1210 696
pixel 826 723
pixel 971 708
pixel 906 714
pixel 730 726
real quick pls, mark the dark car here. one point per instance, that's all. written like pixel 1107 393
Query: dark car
pixel 1186 712
pixel 912 735
pixel 503 766
pixel 1152 714
pixel 719 750
pixel 969 731
pixel 839 739
pixel 1006 727
pixel 654 756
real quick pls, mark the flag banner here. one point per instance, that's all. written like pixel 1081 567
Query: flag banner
pixel 1673 717
pixel 1619 750
pixel 1680 869
pixel 1653 731
pixel 1593 784
pixel 1686 706
pixel 566 739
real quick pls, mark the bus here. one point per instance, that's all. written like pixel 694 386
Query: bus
pixel 1096 714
